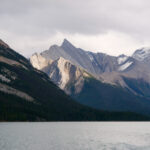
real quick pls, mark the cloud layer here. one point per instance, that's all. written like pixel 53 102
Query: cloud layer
pixel 114 27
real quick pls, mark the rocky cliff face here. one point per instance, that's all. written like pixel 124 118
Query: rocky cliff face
pixel 62 72
pixel 39 62
pixel 94 63
pixel 58 62
pixel 27 94
pixel 96 79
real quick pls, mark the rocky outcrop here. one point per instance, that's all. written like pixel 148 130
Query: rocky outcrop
pixel 62 72
pixel 94 63
pixel 39 62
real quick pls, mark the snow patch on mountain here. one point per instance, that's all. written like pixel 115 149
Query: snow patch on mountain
pixel 125 66
pixel 121 59
pixel 141 54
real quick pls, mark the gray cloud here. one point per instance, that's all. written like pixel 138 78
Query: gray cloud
pixel 41 19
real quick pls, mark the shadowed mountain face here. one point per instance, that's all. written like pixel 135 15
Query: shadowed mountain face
pixel 95 79
pixel 27 94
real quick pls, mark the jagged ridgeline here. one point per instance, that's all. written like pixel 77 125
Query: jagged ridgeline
pixel 27 94
pixel 98 80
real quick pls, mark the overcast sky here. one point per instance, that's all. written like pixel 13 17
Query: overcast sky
pixel 109 26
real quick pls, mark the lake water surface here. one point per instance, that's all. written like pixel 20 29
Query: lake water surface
pixel 75 136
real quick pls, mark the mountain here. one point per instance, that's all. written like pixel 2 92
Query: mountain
pixel 62 72
pixel 142 55
pixel 94 63
pixel 137 74
pixel 108 69
pixel 111 97
pixel 136 77
pixel 122 87
pixel 84 59
pixel 97 63
pixel 27 94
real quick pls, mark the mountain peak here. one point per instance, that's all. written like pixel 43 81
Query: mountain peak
pixel 122 55
pixel 3 44
pixel 66 43
pixel 142 53
pixel 54 47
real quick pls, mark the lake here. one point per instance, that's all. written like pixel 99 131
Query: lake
pixel 75 136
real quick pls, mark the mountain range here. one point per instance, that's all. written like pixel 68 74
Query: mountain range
pixel 98 80
pixel 28 94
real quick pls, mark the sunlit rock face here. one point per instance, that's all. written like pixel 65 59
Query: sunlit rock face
pixel 65 65
pixel 94 63
pixel 39 62
pixel 62 72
